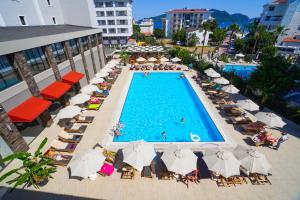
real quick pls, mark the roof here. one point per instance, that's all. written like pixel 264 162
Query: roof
pixel 55 90
pixel 22 32
pixel 184 10
pixel 29 110
pixel 288 39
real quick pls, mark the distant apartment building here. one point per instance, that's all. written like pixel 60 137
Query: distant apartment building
pixel 185 19
pixel 113 17
pixel 284 13
pixel 147 27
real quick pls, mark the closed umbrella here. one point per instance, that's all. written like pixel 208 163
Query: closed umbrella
pixel 247 104
pixel 102 74
pixel 179 160
pixel 106 69
pixel 221 81
pixel 89 89
pixel 140 59
pixel 86 163
pixel 222 162
pixel 138 154
pixel 68 112
pixel 252 160
pixel 176 59
pixel 230 89
pixel 240 55
pixel 270 119
pixel 152 59
pixel 97 80
pixel 79 98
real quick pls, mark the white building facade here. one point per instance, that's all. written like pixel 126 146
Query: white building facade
pixel 113 17
pixel 184 19
pixel 284 13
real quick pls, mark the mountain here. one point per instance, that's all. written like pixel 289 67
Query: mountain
pixel 224 19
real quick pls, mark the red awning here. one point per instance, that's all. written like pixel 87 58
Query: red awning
pixel 29 110
pixel 55 90
pixel 72 77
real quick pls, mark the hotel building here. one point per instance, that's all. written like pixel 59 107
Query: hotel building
pixel 41 67
pixel 114 18
pixel 185 19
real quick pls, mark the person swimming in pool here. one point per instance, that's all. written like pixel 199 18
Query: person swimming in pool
pixel 182 76
pixel 164 135
pixel 146 74
pixel 182 121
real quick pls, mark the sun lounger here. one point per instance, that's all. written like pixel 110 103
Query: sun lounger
pixel 166 175
pixel 62 146
pixel 131 67
pixel 239 180
pixel 254 127
pixel 110 156
pixel 75 128
pixel 264 138
pixel 240 120
pixel 259 179
pixel 103 94
pixel 161 67
pixel 58 158
pixel 228 106
pixel 128 172
pixel 225 182
pixel 93 106
pixel 178 68
pixel 110 80
pixel 83 119
pixel 146 172
pixel 155 67
pixel 234 112
pixel 71 138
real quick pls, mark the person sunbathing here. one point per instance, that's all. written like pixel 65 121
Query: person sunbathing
pixel 117 132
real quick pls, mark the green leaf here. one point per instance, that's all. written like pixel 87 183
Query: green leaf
pixel 9 173
pixel 16 155
pixel 22 179
pixel 38 151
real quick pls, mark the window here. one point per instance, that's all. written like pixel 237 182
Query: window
pixel 122 30
pixel 267 18
pixel 54 20
pixel 109 4
pixel 110 13
pixel 104 30
pixel 99 37
pixel 59 52
pixel 93 40
pixel 84 42
pixel 74 47
pixel 121 13
pixel 22 19
pixel 98 4
pixel 100 13
pixel 111 22
pixel 36 60
pixel 271 8
pixel 9 75
pixel 111 30
pixel 122 22
pixel 49 3
pixel 120 4
pixel 101 22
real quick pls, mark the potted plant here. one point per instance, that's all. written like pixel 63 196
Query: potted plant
pixel 124 58
pixel 36 169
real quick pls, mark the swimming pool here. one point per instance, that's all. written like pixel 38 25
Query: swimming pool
pixel 243 71
pixel 157 103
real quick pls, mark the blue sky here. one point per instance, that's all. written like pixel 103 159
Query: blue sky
pixel 150 8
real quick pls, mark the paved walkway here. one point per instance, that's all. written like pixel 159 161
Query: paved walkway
pixel 285 179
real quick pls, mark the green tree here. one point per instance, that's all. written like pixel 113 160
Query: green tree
pixel 192 40
pixel 206 26
pixel 124 58
pixel 179 35
pixel 159 33
pixel 213 25
pixel 137 33
pixel 35 168
pixel 150 40
pixel 218 36
pixel 136 28
pixel 233 28
pixel 280 30
pixel 239 45
pixel 274 77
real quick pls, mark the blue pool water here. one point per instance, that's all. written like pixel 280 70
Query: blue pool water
pixel 243 71
pixel 157 103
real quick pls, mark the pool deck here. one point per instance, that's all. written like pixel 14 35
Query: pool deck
pixel 285 172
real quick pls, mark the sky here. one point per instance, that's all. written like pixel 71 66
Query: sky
pixel 151 8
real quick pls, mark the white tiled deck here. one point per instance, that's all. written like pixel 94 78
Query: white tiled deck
pixel 285 179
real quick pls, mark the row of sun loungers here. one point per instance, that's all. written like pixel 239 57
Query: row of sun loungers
pixel 155 67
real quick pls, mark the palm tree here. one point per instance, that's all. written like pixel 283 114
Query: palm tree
pixel 258 33
pixel 280 30
pixel 233 28
pixel 206 26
